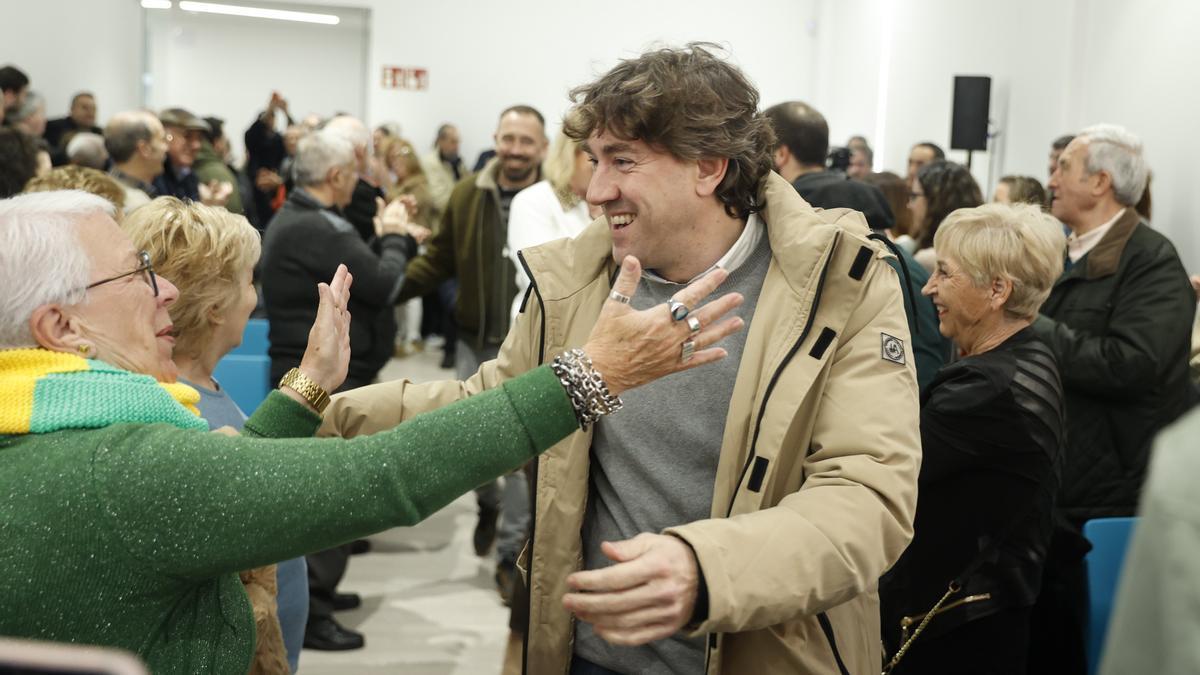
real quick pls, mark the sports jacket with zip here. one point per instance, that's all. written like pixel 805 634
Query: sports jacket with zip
pixel 816 486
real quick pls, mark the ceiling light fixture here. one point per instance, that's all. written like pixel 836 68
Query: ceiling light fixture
pixel 258 12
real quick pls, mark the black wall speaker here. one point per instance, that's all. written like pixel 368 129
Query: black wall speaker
pixel 968 130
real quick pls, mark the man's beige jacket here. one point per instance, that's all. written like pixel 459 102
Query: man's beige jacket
pixel 816 486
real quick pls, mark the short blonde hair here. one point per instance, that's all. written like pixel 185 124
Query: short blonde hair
pixel 204 251
pixel 1017 242
pixel 80 178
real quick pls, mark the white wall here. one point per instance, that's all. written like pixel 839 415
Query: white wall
pixel 484 56
pixel 1019 44
pixel 228 66
pixel 66 46
pixel 1138 67
pixel 1055 66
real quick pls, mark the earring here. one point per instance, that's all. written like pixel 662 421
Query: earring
pixel 84 350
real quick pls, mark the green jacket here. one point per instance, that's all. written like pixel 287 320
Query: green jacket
pixel 469 245
pixel 209 167
pixel 131 536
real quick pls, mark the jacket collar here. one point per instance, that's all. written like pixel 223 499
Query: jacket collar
pixel 486 178
pixel 797 233
pixel 304 199
pixel 1104 259
pixel 132 182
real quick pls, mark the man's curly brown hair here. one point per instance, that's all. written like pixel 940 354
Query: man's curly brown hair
pixel 689 103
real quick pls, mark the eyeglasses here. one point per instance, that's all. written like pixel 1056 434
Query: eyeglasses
pixel 145 269
pixel 190 135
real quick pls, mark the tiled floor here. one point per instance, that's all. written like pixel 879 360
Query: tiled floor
pixel 429 604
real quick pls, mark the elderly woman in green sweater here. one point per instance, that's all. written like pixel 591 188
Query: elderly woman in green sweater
pixel 124 523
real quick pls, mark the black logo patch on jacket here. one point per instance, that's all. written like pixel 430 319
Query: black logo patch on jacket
pixel 891 348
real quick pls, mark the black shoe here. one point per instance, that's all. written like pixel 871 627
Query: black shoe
pixel 448 360
pixel 344 601
pixel 360 546
pixel 485 530
pixel 330 636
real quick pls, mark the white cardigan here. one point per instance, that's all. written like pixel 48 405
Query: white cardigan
pixel 535 217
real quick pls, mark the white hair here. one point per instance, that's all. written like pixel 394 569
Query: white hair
pixel 41 258
pixel 319 152
pixel 353 130
pixel 87 149
pixel 1115 151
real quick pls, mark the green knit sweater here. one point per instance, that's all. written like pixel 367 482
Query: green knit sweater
pixel 131 536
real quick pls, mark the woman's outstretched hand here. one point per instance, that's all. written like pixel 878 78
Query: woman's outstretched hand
pixel 630 348
pixel 327 358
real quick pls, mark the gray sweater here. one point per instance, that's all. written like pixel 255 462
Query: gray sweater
pixel 654 464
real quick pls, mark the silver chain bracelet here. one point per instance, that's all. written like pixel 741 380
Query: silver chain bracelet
pixel 585 387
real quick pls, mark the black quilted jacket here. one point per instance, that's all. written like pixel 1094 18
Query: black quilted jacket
pixel 1119 322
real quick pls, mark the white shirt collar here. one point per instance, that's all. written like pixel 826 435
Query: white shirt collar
pixel 737 254
pixel 1079 245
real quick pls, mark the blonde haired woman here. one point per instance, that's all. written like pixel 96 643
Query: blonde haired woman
pixel 992 432
pixel 407 179
pixel 551 209
pixel 210 254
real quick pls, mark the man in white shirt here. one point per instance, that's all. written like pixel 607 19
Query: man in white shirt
pixel 1119 323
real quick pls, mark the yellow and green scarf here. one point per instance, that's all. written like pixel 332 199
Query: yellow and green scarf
pixel 43 391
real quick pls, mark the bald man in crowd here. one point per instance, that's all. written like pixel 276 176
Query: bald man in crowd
pixel 137 144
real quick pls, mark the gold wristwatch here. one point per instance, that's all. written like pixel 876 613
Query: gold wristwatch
pixel 311 391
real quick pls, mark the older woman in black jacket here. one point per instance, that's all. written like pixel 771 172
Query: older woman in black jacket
pixel 992 432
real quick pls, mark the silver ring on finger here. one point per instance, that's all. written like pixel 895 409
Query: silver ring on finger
pixel 619 297
pixel 679 311
pixel 693 325
pixel 687 350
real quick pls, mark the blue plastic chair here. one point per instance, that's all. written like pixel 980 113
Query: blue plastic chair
pixel 254 339
pixel 1110 539
pixel 245 378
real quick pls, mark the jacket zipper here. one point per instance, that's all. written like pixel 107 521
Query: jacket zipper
pixel 812 316
pixel 533 493
pixel 762 409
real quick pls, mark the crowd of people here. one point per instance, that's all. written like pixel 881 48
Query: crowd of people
pixel 910 403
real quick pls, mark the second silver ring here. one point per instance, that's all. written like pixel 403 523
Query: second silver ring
pixel 693 325
pixel 687 350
